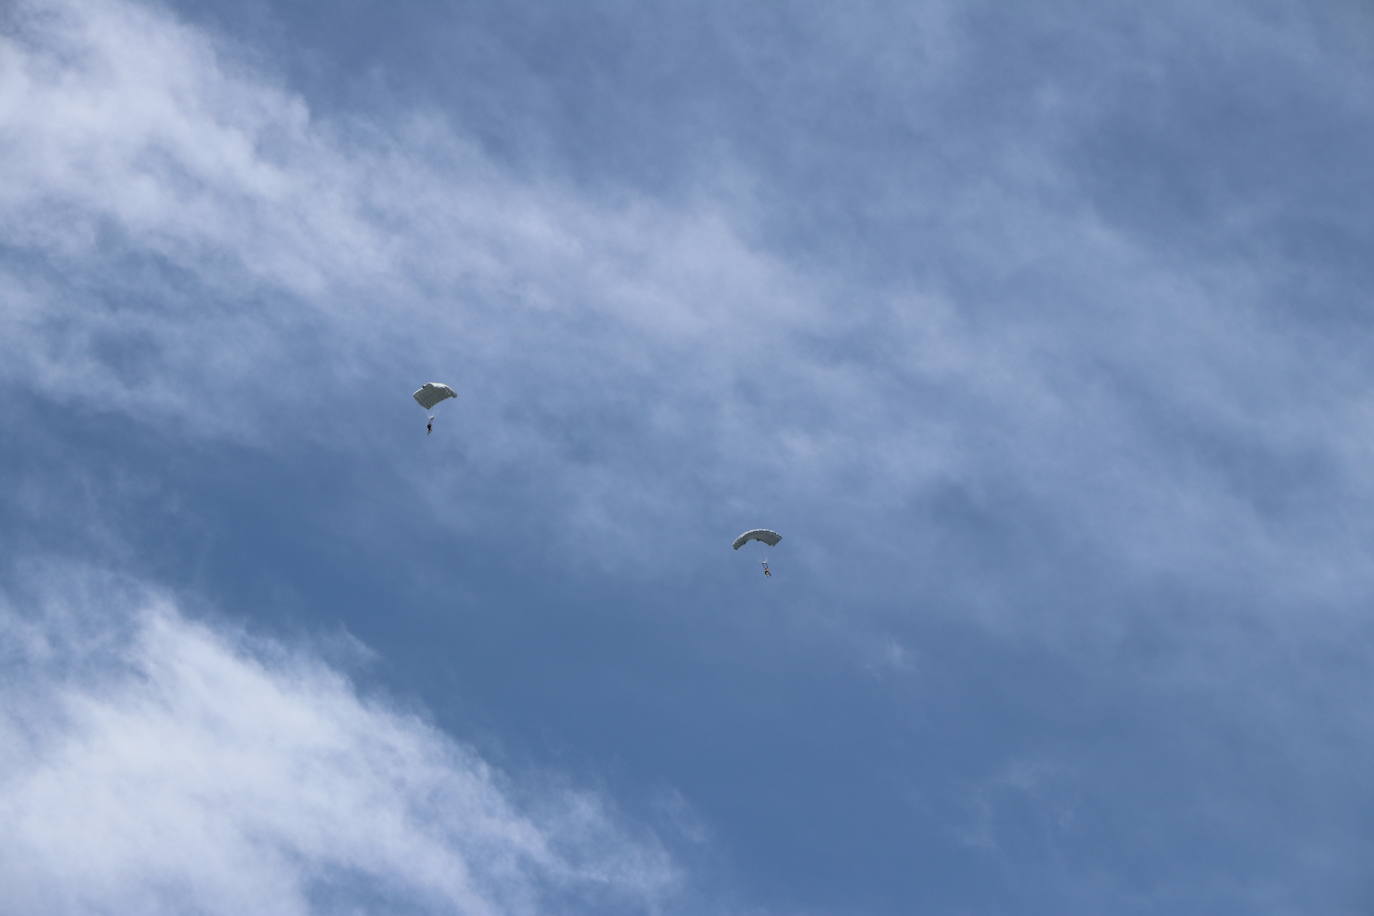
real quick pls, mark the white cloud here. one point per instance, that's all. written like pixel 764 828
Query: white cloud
pixel 171 200
pixel 152 764
pixel 620 351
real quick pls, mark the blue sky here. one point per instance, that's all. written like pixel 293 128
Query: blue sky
pixel 1041 334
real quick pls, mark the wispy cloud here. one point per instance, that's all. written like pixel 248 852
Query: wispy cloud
pixel 286 261
pixel 179 223
pixel 155 764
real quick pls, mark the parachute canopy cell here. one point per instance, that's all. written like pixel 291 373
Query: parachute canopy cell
pixel 432 393
pixel 758 534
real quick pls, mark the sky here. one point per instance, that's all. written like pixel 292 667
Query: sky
pixel 1040 332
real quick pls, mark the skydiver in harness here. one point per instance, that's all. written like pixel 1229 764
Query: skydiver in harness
pixel 429 394
pixel 766 571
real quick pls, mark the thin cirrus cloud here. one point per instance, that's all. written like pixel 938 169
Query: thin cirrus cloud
pixel 279 252
pixel 175 216
pixel 629 340
pixel 157 764
pixel 179 222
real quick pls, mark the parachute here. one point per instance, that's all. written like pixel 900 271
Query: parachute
pixel 770 538
pixel 432 393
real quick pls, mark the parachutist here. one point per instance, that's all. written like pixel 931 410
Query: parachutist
pixel 429 394
pixel 763 536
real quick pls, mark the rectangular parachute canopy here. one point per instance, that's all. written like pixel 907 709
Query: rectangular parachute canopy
pixel 770 538
pixel 431 393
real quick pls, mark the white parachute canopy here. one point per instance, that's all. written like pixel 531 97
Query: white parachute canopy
pixel 770 538
pixel 432 393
